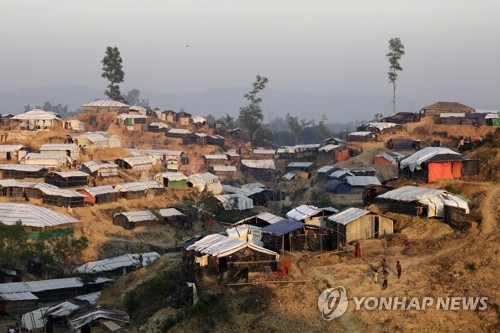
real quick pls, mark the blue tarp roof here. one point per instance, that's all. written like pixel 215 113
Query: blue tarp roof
pixel 283 227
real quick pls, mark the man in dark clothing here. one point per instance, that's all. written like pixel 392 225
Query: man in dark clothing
pixel 384 264
pixel 399 269
pixel 385 274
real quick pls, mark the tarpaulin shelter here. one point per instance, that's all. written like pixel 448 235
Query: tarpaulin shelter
pixel 354 224
pixel 67 178
pixel 309 214
pixel 337 187
pixel 387 158
pixel 21 171
pixel 288 235
pixel 361 136
pixel 100 194
pixel 222 251
pixel 205 182
pixel 139 190
pixel 131 220
pixel 420 201
pixel 100 168
pixel 119 265
pixel 400 144
pixel 102 315
pixel 172 179
pixel 434 163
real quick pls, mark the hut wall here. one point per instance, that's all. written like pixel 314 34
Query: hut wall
pixel 61 182
pixel 106 198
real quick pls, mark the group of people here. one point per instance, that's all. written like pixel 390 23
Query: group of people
pixel 385 273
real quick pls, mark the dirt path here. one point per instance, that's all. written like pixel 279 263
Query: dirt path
pixel 490 211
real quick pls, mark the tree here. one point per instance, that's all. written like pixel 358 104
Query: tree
pixel 251 116
pixel 295 127
pixel 132 97
pixel 396 51
pixel 113 72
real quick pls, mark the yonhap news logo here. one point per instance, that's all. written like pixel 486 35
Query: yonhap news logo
pixel 333 302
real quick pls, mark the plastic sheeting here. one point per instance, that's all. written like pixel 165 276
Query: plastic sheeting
pixel 235 201
pixel 218 245
pixel 206 182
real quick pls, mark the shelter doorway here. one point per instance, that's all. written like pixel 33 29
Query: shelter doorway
pixel 375 226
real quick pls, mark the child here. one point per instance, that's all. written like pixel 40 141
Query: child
pixel 375 276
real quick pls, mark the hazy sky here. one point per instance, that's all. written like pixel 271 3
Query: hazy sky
pixel 452 47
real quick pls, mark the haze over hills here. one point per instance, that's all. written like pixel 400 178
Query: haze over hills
pixel 338 107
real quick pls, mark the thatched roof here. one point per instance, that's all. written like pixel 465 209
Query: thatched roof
pixel 448 107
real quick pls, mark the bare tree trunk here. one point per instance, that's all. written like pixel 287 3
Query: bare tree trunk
pixel 393 97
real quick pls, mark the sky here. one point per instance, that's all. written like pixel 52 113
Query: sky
pixel 179 47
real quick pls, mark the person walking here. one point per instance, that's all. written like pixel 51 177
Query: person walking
pixel 384 264
pixel 399 269
pixel 385 274
pixel 375 276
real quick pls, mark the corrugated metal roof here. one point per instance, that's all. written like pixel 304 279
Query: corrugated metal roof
pixel 22 167
pixel 41 156
pixel 56 191
pixel 226 168
pixel 138 160
pixel 381 126
pixel 348 215
pixel 10 148
pixel 106 103
pixel 235 201
pixel 167 212
pixel 94 166
pixel 37 114
pixel 329 147
pixel 68 174
pixel 216 157
pixel 311 146
pixel 172 176
pixel 283 227
pixel 299 164
pixel 325 169
pixel 59 146
pixel 138 216
pixel 259 164
pixel 290 175
pixel 264 151
pixel 159 125
pixel 340 173
pixel 416 159
pixel 302 212
pixel 361 133
pixel 449 114
pixel 179 131
pixel 93 137
pixel 411 193
pixel 110 264
pixel 32 216
pixel 19 296
pixel 132 116
pixel 270 218
pixel 362 180
pixel 220 246
pixel 98 190
pixel 91 298
pixel 137 186
pixel 392 157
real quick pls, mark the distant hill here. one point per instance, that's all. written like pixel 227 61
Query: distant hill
pixel 338 107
